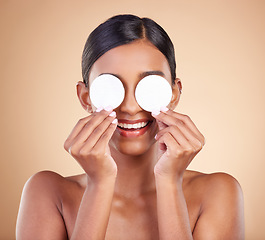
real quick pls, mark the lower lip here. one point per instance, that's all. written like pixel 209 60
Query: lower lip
pixel 133 133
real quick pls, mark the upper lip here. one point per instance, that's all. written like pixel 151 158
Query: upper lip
pixel 133 121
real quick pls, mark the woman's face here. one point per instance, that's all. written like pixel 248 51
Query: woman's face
pixel 130 63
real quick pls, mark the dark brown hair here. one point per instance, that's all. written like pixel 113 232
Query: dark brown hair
pixel 124 29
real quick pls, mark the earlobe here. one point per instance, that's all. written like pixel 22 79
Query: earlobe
pixel 83 96
pixel 176 91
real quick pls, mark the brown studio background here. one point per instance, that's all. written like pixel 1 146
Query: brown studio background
pixel 220 59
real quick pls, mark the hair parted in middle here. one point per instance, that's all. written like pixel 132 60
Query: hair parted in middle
pixel 123 29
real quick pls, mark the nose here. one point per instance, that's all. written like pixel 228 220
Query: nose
pixel 129 104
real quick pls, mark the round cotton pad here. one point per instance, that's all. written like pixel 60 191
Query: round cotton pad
pixel 106 90
pixel 153 92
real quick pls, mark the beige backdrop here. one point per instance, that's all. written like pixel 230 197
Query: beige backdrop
pixel 220 50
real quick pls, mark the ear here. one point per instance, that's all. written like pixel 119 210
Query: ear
pixel 83 96
pixel 176 91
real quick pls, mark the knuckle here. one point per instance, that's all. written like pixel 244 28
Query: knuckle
pixel 104 135
pixel 94 153
pixel 200 145
pixel 189 150
pixel 66 145
pixel 109 118
pixel 87 124
pixel 82 120
pixel 186 117
pixel 74 151
pixel 96 131
pixel 175 152
pixel 179 122
pixel 83 152
pixel 203 140
pixel 197 144
pixel 199 148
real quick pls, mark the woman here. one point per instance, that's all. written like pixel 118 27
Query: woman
pixel 135 184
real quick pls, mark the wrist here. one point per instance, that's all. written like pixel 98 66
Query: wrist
pixel 169 179
pixel 101 181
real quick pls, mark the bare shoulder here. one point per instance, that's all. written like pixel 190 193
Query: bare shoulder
pixel 52 182
pixel 41 205
pixel 212 181
pixel 214 187
pixel 44 179
pixel 222 207
pixel 52 187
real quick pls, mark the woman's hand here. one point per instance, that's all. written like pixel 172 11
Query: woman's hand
pixel 179 141
pixel 88 144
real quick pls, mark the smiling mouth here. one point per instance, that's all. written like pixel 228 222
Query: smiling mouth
pixel 133 127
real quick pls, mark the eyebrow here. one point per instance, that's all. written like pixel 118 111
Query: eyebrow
pixel 141 75
pixel 115 75
pixel 145 74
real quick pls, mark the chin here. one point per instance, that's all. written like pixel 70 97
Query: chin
pixel 133 148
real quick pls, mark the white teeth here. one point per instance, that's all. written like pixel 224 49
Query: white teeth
pixel 134 126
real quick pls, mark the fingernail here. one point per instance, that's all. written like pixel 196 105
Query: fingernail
pixel 112 114
pixel 155 136
pixel 115 121
pixel 99 109
pixel 164 109
pixel 108 108
pixel 155 112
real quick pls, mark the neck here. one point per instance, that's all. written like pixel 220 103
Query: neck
pixel 135 173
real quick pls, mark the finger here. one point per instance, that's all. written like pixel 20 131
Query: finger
pixel 104 139
pixel 161 125
pixel 91 135
pixel 87 125
pixel 196 140
pixel 83 128
pixel 98 115
pixel 100 130
pixel 177 135
pixel 170 117
pixel 177 152
pixel 185 139
pixel 98 146
pixel 188 122
pixel 168 142
pixel 77 128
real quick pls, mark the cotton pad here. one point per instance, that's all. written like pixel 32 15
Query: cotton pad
pixel 106 90
pixel 153 92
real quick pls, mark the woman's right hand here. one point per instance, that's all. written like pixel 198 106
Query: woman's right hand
pixel 88 144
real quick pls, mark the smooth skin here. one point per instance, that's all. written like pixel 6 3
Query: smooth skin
pixel 133 187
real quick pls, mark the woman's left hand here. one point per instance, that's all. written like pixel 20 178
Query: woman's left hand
pixel 179 141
